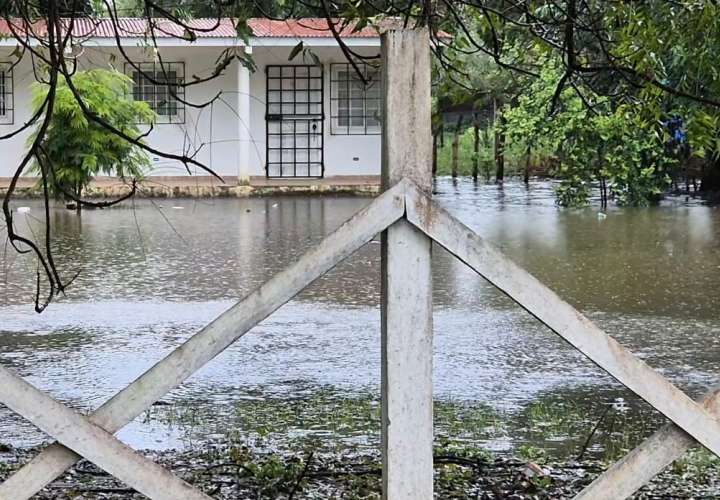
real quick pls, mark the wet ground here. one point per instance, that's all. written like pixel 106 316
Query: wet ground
pixel 154 273
pixel 237 472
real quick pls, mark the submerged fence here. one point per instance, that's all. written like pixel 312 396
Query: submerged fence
pixel 410 222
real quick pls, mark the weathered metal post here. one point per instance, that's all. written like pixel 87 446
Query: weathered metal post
pixel 407 410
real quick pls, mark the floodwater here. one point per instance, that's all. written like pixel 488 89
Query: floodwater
pixel 153 273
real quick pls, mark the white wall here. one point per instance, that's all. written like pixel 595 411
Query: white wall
pixel 340 150
pixel 12 150
pixel 216 127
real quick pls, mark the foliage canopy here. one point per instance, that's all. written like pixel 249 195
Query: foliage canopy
pixel 74 149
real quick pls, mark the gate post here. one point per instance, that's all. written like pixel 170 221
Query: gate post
pixel 407 347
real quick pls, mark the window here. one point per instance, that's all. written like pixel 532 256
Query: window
pixel 6 94
pixel 161 96
pixel 356 106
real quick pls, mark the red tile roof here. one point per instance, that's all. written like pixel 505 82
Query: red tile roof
pixel 132 27
pixel 307 28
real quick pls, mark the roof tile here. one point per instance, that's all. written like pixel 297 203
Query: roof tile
pixel 137 27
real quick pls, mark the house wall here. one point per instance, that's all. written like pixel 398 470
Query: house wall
pixel 212 130
pixel 344 154
pixel 212 133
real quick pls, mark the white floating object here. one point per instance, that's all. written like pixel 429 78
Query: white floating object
pixel 275 205
pixel 23 210
pixel 178 208
pixel 602 216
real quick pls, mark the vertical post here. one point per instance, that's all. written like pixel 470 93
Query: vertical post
pixel 476 146
pixel 407 409
pixel 243 121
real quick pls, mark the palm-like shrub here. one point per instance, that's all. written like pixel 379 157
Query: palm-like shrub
pixel 76 149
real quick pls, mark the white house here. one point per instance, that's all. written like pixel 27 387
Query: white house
pixel 309 117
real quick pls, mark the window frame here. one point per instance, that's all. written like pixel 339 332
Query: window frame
pixel 148 88
pixel 337 82
pixel 7 93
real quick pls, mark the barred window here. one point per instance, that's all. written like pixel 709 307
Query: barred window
pixel 356 106
pixel 163 95
pixel 6 94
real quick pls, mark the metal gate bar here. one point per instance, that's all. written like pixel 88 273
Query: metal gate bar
pixel 294 121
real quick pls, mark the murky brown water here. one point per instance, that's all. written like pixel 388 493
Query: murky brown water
pixel 153 275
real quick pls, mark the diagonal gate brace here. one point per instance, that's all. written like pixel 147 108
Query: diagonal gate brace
pixel 205 345
pixel 646 461
pixel 97 445
pixel 537 299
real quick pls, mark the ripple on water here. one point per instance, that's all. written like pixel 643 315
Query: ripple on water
pixel 649 277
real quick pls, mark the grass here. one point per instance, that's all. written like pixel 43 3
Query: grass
pixel 330 421
pixel 699 463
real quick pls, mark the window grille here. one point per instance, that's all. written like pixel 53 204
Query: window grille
pixel 295 121
pixel 7 108
pixel 163 96
pixel 356 106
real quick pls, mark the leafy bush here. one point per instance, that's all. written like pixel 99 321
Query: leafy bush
pixel 78 149
pixel 608 145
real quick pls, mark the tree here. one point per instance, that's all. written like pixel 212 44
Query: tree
pixel 74 149
pixel 40 8
pixel 608 144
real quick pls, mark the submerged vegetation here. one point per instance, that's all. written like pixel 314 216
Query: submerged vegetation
pixel 611 98
pixel 329 422
pixel 323 444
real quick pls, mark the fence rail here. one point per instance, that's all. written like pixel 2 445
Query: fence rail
pixel 410 222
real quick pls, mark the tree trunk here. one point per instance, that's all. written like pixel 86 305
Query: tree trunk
pixel 435 153
pixel 526 174
pixel 476 149
pixel 603 193
pixel 78 194
pixel 487 165
pixel 602 180
pixel 499 143
pixel 456 148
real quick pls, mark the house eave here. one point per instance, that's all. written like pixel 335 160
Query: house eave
pixel 314 42
pixel 216 42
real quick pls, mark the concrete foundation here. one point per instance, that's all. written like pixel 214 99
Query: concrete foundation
pixel 210 187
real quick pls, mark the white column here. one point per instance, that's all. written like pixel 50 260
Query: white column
pixel 407 337
pixel 244 133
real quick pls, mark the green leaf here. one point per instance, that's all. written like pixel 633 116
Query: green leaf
pixel 295 51
pixel 189 35
pixel 243 30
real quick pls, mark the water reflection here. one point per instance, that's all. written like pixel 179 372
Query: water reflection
pixel 153 275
